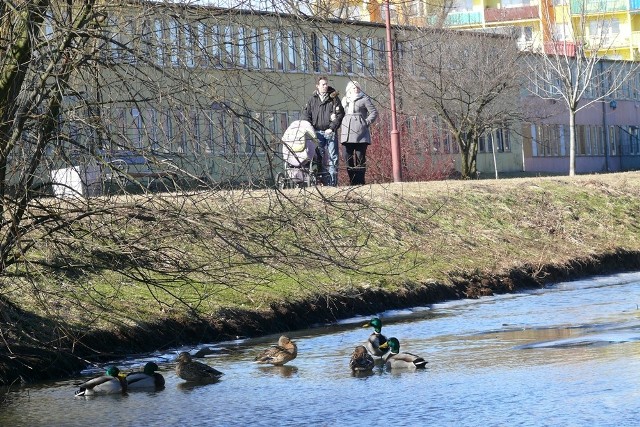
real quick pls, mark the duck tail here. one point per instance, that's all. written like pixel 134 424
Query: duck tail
pixel 421 363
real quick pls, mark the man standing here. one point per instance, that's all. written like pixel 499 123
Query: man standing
pixel 325 112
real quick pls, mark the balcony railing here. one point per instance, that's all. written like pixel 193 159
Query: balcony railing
pixel 635 39
pixel 579 7
pixel 608 41
pixel 463 18
pixel 560 48
pixel 511 14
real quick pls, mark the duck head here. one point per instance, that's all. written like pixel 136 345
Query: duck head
pixel 184 357
pixel 393 344
pixel 113 371
pixel 376 323
pixel 150 368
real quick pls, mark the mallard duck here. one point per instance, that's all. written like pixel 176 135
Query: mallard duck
pixel 148 378
pixel 111 382
pixel 191 370
pixel 277 355
pixel 396 360
pixel 376 339
pixel 361 360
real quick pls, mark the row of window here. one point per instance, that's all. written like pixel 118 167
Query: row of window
pixel 170 42
pixel 219 132
pixel 431 135
pixel 553 140
pixel 627 84
pixel 214 131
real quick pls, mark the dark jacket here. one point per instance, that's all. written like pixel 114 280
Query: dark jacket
pixel 319 113
pixel 355 126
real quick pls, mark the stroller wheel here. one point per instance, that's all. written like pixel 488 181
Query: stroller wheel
pixel 313 180
pixel 281 182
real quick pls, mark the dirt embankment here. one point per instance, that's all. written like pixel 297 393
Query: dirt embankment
pixel 41 359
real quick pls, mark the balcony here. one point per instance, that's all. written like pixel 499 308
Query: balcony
pixel 463 18
pixel 511 14
pixel 580 7
pixel 563 48
pixel 634 6
pixel 635 40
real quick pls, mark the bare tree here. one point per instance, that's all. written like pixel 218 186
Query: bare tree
pixel 576 61
pixel 470 81
pixel 121 130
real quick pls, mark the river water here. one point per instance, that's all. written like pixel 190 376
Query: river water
pixel 566 355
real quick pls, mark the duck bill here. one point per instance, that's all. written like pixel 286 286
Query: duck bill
pixel 384 345
pixel 366 325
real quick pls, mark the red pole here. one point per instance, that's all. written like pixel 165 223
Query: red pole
pixel 395 135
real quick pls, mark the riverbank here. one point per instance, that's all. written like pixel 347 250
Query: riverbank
pixel 435 242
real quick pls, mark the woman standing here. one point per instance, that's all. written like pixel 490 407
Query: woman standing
pixel 354 131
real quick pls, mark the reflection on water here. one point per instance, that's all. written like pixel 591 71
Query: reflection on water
pixel 568 355
pixel 284 371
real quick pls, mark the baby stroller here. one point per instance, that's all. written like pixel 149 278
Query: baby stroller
pixel 301 156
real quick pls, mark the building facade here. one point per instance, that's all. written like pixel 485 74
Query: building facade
pixel 209 92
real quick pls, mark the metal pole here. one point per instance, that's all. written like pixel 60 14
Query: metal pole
pixel 395 135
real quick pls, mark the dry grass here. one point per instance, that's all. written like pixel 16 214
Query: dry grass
pixel 377 236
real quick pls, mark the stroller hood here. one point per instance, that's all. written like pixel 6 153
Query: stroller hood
pixel 297 134
pixel 299 143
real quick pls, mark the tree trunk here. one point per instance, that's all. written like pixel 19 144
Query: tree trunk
pixel 572 142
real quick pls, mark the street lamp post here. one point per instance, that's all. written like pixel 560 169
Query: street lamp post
pixel 395 135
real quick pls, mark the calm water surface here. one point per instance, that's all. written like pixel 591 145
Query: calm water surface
pixel 568 355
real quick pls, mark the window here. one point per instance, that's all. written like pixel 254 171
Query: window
pixel 280 47
pixel 348 55
pixel 562 32
pixel 159 41
pixel 337 49
pixel 216 51
pixel 242 135
pixel 146 40
pixel 189 45
pixel 150 119
pixel 514 3
pixel 305 52
pixel 393 13
pixel 462 6
pixel 201 44
pixel 193 132
pixel 415 8
pixel 268 50
pixel 215 125
pixel 316 54
pixel 326 49
pixel 382 54
pixel 135 128
pixel 242 47
pixel 605 31
pixel 254 49
pixel 165 130
pixel 359 65
pixel 174 42
pixel 126 39
pixel 292 64
pixel 228 54
pixel 353 13
pixel 371 56
pixel 502 140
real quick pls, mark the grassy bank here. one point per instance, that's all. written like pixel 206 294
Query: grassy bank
pixel 302 257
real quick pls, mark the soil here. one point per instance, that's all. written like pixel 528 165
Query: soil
pixel 33 358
